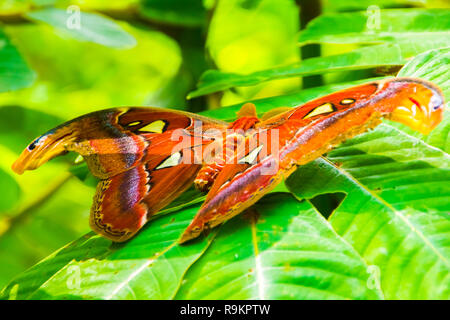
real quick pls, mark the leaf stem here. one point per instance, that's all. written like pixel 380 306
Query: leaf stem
pixel 10 222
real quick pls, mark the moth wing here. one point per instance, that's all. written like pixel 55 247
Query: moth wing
pixel 321 106
pixel 115 140
pixel 143 156
pixel 125 202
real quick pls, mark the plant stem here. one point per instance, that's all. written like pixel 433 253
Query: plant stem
pixel 9 223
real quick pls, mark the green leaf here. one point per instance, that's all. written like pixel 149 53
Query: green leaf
pixel 14 71
pixel 395 213
pixel 412 25
pixel 352 5
pixel 294 245
pixel 150 266
pixel 284 250
pixel 189 13
pixel 190 197
pixel 85 26
pixel 400 35
pixel 362 58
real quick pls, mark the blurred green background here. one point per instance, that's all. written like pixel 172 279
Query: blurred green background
pixel 136 53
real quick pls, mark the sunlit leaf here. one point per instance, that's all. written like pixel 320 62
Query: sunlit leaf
pixel 395 213
pixel 370 5
pixel 362 58
pixel 400 34
pixel 283 250
pixel 412 25
pixel 248 36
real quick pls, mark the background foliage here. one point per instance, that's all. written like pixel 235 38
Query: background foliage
pixel 369 221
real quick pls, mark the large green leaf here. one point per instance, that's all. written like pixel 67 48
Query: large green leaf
pixel 283 250
pixel 352 5
pixel 427 29
pixel 68 90
pixel 291 244
pixel 85 27
pixel 412 25
pixel 14 72
pixel 391 54
pixel 395 213
pixel 396 210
